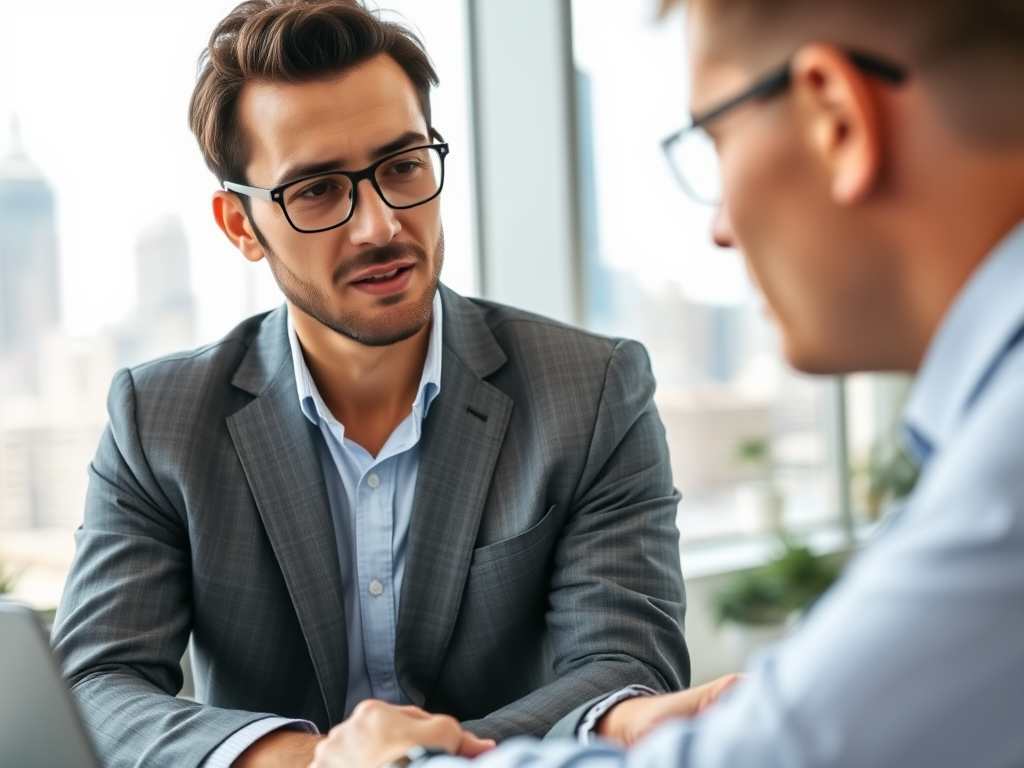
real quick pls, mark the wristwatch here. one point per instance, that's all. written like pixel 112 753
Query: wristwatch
pixel 414 757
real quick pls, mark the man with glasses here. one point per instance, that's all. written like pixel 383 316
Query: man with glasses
pixel 381 491
pixel 867 157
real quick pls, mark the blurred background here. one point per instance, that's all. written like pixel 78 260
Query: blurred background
pixel 557 199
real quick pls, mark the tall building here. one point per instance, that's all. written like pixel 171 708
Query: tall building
pixel 164 321
pixel 29 287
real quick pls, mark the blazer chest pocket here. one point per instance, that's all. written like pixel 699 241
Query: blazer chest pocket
pixel 533 536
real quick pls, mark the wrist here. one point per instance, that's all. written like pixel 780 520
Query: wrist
pixel 280 749
pixel 615 723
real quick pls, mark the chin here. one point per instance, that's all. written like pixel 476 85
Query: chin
pixel 814 360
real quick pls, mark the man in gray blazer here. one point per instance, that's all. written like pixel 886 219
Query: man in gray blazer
pixel 382 490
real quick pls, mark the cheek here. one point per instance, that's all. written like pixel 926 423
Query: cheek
pixel 823 277
pixel 758 187
pixel 422 223
pixel 777 218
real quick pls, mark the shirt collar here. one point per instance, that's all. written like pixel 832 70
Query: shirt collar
pixel 313 406
pixel 984 322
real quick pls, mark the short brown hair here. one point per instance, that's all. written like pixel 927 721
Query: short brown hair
pixel 289 41
pixel 970 53
pixel 935 28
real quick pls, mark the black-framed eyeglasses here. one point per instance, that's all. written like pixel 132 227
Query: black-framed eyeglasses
pixel 691 153
pixel 323 201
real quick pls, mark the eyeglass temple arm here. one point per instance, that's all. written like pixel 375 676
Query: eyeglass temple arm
pixel 261 194
pixel 772 84
pixel 767 87
pixel 891 73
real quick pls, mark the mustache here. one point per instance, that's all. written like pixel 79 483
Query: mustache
pixel 373 257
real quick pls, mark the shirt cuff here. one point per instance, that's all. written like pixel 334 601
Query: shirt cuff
pixel 585 730
pixel 234 745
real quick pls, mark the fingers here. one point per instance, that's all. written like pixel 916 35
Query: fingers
pixel 413 711
pixel 473 746
pixel 439 732
pixel 711 692
pixel 631 720
pixel 376 733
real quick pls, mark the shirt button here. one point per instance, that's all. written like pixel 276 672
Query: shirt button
pixel 376 588
pixel 373 480
pixel 388 685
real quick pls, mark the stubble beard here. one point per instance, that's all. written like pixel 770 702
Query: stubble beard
pixel 404 319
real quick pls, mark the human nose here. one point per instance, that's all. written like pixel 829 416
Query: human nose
pixel 721 228
pixel 373 222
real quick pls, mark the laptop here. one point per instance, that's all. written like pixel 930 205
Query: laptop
pixel 39 725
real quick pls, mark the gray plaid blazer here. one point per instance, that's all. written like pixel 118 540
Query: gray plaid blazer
pixel 542 571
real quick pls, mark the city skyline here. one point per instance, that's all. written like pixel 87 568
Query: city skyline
pixel 29 268
pixel 111 134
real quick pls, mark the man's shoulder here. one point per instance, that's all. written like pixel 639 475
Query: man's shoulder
pixel 993 421
pixel 546 363
pixel 185 374
pixel 525 336
pixel 986 457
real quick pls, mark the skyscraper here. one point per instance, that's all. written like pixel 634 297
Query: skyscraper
pixel 29 288
pixel 166 310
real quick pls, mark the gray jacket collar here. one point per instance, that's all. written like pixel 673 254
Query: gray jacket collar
pixel 465 335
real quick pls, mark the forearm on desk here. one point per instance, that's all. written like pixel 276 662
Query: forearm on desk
pixel 132 722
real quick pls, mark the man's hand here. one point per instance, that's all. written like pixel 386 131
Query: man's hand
pixel 377 733
pixel 631 720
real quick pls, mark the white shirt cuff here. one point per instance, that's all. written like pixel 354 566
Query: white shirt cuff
pixel 239 741
pixel 585 730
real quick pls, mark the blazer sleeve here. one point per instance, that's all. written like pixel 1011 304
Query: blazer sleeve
pixel 617 602
pixel 125 617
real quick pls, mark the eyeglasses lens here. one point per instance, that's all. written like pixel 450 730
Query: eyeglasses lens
pixel 405 180
pixel 696 165
pixel 410 178
pixel 320 202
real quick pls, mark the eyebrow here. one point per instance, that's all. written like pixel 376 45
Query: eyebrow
pixel 302 170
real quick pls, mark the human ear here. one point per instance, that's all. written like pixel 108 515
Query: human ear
pixel 234 223
pixel 841 114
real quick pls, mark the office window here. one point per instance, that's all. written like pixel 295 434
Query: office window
pixel 749 438
pixel 108 252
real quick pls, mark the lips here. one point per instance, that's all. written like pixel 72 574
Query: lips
pixel 386 276
pixel 383 273
pixel 388 280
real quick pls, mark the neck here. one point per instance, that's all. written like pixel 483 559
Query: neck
pixel 370 390
pixel 946 244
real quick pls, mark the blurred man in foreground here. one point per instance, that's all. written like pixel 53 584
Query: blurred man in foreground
pixel 872 168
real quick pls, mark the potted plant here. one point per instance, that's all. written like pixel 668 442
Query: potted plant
pixel 757 607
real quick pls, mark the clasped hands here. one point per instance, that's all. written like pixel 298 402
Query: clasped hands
pixel 377 733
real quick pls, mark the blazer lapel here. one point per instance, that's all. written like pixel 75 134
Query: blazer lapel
pixel 462 436
pixel 275 444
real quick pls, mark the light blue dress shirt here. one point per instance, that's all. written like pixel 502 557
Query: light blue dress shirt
pixel 916 657
pixel 371 505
